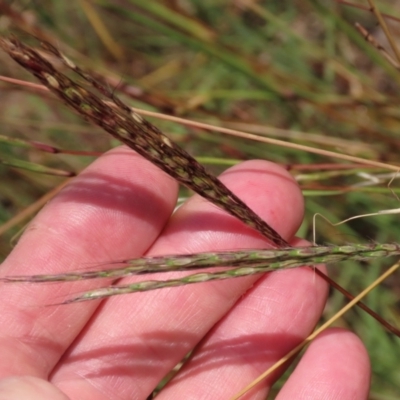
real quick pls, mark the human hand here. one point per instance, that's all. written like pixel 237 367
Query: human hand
pixel 120 207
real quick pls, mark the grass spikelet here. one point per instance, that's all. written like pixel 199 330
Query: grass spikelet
pixel 134 131
pixel 239 264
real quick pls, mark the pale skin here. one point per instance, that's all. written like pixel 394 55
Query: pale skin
pixel 120 207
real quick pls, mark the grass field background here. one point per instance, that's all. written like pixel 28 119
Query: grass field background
pixel 298 71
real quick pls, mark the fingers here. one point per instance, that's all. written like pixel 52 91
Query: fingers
pixel 114 209
pixel 27 387
pixel 136 339
pixel 335 366
pixel 275 315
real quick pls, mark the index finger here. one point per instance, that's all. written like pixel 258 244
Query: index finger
pixel 113 198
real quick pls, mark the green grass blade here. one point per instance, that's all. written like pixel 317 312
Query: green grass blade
pixel 39 169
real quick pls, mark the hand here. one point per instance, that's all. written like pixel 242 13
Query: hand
pixel 120 207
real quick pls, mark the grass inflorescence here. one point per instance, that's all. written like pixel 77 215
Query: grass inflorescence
pixel 130 128
pixel 238 264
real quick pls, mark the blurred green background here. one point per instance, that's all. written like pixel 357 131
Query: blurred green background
pixel 292 70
